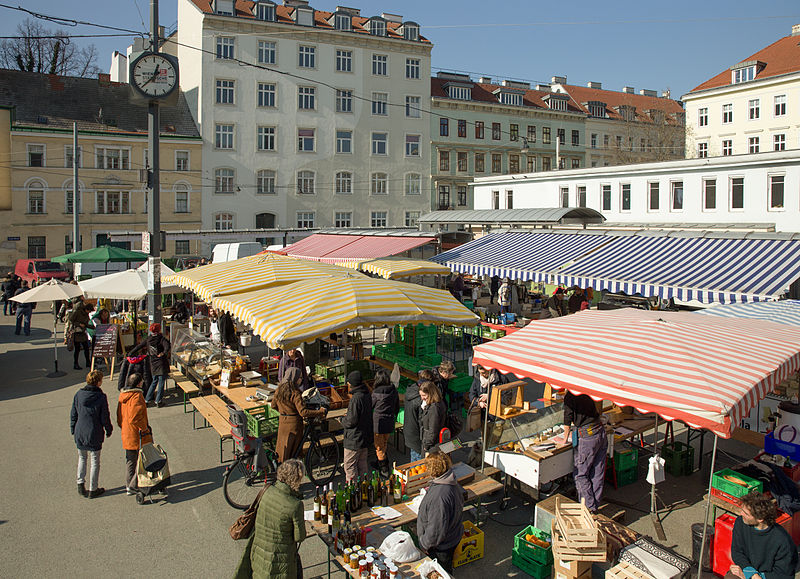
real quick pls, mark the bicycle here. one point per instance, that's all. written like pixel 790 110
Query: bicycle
pixel 245 477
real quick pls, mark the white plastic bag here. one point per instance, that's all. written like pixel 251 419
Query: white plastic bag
pixel 655 471
pixel 395 376
pixel 431 565
pixel 400 547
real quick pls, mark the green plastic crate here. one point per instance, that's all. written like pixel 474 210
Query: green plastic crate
pixel 535 570
pixel 432 359
pixel 626 459
pixel 531 552
pixel 460 383
pixel 624 477
pixel 735 490
pixel 678 458
pixel 262 421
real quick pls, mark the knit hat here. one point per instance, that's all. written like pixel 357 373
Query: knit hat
pixel 354 378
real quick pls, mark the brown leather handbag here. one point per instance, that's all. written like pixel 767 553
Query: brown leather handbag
pixel 242 527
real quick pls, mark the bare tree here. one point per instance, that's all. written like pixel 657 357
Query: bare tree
pixel 39 49
pixel 652 136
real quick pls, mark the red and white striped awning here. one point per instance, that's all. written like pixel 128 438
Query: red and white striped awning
pixel 707 372
pixel 330 248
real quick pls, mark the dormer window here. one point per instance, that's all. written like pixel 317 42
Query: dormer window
pixel 627 112
pixel 509 97
pixel 341 21
pixel 411 31
pixel 377 27
pixel 744 74
pixel 304 16
pixel 556 101
pixel 597 109
pixel 657 115
pixel 265 11
pixel 224 7
pixel 460 92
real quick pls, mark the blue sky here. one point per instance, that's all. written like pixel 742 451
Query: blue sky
pixel 675 45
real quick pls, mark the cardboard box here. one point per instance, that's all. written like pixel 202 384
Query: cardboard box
pixel 563 569
pixel 470 548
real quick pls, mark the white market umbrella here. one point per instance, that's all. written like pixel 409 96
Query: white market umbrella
pixel 53 290
pixel 130 284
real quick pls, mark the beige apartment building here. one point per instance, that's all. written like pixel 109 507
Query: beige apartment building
pixel 37 113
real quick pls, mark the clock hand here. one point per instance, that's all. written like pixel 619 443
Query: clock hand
pixel 152 78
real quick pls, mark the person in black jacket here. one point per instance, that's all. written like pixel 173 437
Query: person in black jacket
pixel 136 361
pixel 432 418
pixel 483 381
pixel 439 526
pixel 89 417
pixel 158 351
pixel 411 416
pixel 385 406
pixel 357 423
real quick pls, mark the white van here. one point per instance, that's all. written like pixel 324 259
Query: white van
pixel 230 251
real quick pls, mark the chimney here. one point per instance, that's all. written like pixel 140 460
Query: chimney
pixel 648 92
pixel 295 3
pixel 628 90
pixel 594 84
pixel 558 80
pixel 104 79
pixel 796 30
pixel 665 94
pixel 485 80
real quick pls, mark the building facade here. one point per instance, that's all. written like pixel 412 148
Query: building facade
pixel 309 118
pixel 750 108
pixel 36 182
pixel 760 191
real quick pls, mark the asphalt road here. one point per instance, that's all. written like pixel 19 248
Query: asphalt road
pixel 47 529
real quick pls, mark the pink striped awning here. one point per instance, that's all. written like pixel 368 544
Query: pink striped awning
pixel 707 373
pixel 343 248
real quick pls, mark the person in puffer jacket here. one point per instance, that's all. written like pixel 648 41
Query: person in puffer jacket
pixel 89 418
pixel 439 525
pixel 385 406
pixel 134 426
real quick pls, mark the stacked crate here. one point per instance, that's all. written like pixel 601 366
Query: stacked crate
pixel 678 458
pixel 623 469
pixel 533 552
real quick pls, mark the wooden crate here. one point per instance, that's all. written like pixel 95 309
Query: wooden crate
pixel 625 570
pixel 576 525
pixel 562 550
pixel 413 483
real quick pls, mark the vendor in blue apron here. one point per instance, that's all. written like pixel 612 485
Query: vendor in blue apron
pixel 590 445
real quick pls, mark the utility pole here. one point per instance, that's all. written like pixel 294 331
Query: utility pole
pixel 76 234
pixel 153 207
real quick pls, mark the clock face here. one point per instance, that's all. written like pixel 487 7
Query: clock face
pixel 154 75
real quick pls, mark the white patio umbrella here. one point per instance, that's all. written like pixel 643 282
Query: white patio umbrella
pixel 51 291
pixel 130 284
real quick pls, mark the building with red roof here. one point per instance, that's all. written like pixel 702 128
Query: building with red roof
pixel 751 107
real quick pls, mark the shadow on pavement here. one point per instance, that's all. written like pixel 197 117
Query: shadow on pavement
pixel 196 483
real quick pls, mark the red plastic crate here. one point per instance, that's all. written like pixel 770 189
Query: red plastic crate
pixel 737 502
pixel 721 546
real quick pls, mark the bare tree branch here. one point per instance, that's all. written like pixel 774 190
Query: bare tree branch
pixel 33 51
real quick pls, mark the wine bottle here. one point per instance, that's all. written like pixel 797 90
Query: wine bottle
pixel 398 492
pixel 317 504
pixel 370 495
pixel 384 494
pixel 329 520
pixel 364 485
pixel 354 493
pixel 339 495
pixel 323 506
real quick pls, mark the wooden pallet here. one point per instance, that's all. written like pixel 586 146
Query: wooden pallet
pixel 625 570
pixel 564 551
pixel 576 525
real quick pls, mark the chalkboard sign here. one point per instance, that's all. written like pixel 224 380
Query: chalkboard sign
pixel 105 340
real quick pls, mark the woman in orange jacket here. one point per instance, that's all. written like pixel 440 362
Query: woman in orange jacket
pixel 132 420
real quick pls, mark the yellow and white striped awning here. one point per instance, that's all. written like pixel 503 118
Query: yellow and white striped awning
pixel 288 315
pixel 394 268
pixel 250 273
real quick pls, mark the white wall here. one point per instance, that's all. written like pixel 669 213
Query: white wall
pixel 543 190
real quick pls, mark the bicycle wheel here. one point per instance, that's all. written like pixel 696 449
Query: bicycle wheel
pixel 242 482
pixel 322 459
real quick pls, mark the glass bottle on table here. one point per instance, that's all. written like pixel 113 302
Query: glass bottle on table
pixel 323 507
pixel 317 504
pixel 364 493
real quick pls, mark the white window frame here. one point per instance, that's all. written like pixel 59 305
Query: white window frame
pixel 224 91
pixel 731 179
pixel 306 182
pixel 340 140
pixel 124 158
pixel 42 152
pixel 622 187
pixel 379 183
pixel 379 219
pixel 188 166
pixel 753 145
pixel 606 187
pixel 653 187
pixel 412 218
pixel 343 60
pixel 673 186
pixel 37 186
pixel 412 148
pixel 343 183
pixel 223 136
pixel 306 56
pixel 380 65
pixel 306 98
pixel 412 184
pixel 306 219
pixel 344 100
pixel 343 219
pixel 67 155
pixel 702 150
pixel 380 104
pixel 222 218
pixel 704 194
pixel 753 109
pixel 779 142
pixel 770 183
pixel 67 191
pixel 702 116
pixel 265 177
pixel 413 68
pixel 225 48
pixel 266 138
pixel 779 105
pixel 267 52
pixel 178 189
pixel 727 113
pixel 120 201
pixel 379 143
pixel 413 104
pixel 220 179
pixel 306 143
pixel 727 147
pixel 265 94
pixel 179 249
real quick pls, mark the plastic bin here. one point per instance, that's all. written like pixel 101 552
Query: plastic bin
pixel 719 482
pixel 531 551
pixel 535 570
pixel 626 459
pixel 774 446
pixel 262 421
pixel 679 458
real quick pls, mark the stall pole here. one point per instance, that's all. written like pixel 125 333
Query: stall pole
pixel 653 509
pixel 708 508
pixel 55 373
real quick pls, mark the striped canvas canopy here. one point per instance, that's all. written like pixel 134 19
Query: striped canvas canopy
pixel 781 311
pixel 250 273
pixel 288 315
pixel 707 371
pixel 396 267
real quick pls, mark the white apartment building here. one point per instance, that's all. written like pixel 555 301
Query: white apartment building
pixel 760 191
pixel 752 107
pixel 309 118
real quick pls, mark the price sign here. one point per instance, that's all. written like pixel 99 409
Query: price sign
pixel 105 340
pixel 145 242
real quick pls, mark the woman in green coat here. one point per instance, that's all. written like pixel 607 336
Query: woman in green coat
pixel 280 528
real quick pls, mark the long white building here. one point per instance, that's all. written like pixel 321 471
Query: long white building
pixel 760 190
pixel 325 130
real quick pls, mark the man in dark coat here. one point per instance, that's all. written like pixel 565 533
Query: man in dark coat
pixel 357 423
pixel 8 290
pixel 158 350
pixel 89 417
pixel 24 311
pixel 293 358
pixel 439 526
pixel 136 361
pixel 412 436
pixel 493 287
pixel 385 405
pixel 227 331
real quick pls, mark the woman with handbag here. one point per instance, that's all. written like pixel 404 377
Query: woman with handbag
pixel 89 417
pixel 134 427
pixel 289 403
pixel 79 322
pixel 272 550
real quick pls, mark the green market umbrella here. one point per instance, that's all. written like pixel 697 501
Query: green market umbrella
pixel 102 254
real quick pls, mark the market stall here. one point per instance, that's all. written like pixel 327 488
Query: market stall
pixel 697 369
pixel 396 268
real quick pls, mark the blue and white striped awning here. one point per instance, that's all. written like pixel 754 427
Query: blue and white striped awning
pixel 703 269
pixel 522 256
pixel 706 269
pixel 781 311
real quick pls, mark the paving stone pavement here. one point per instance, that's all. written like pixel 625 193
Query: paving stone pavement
pixel 47 529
